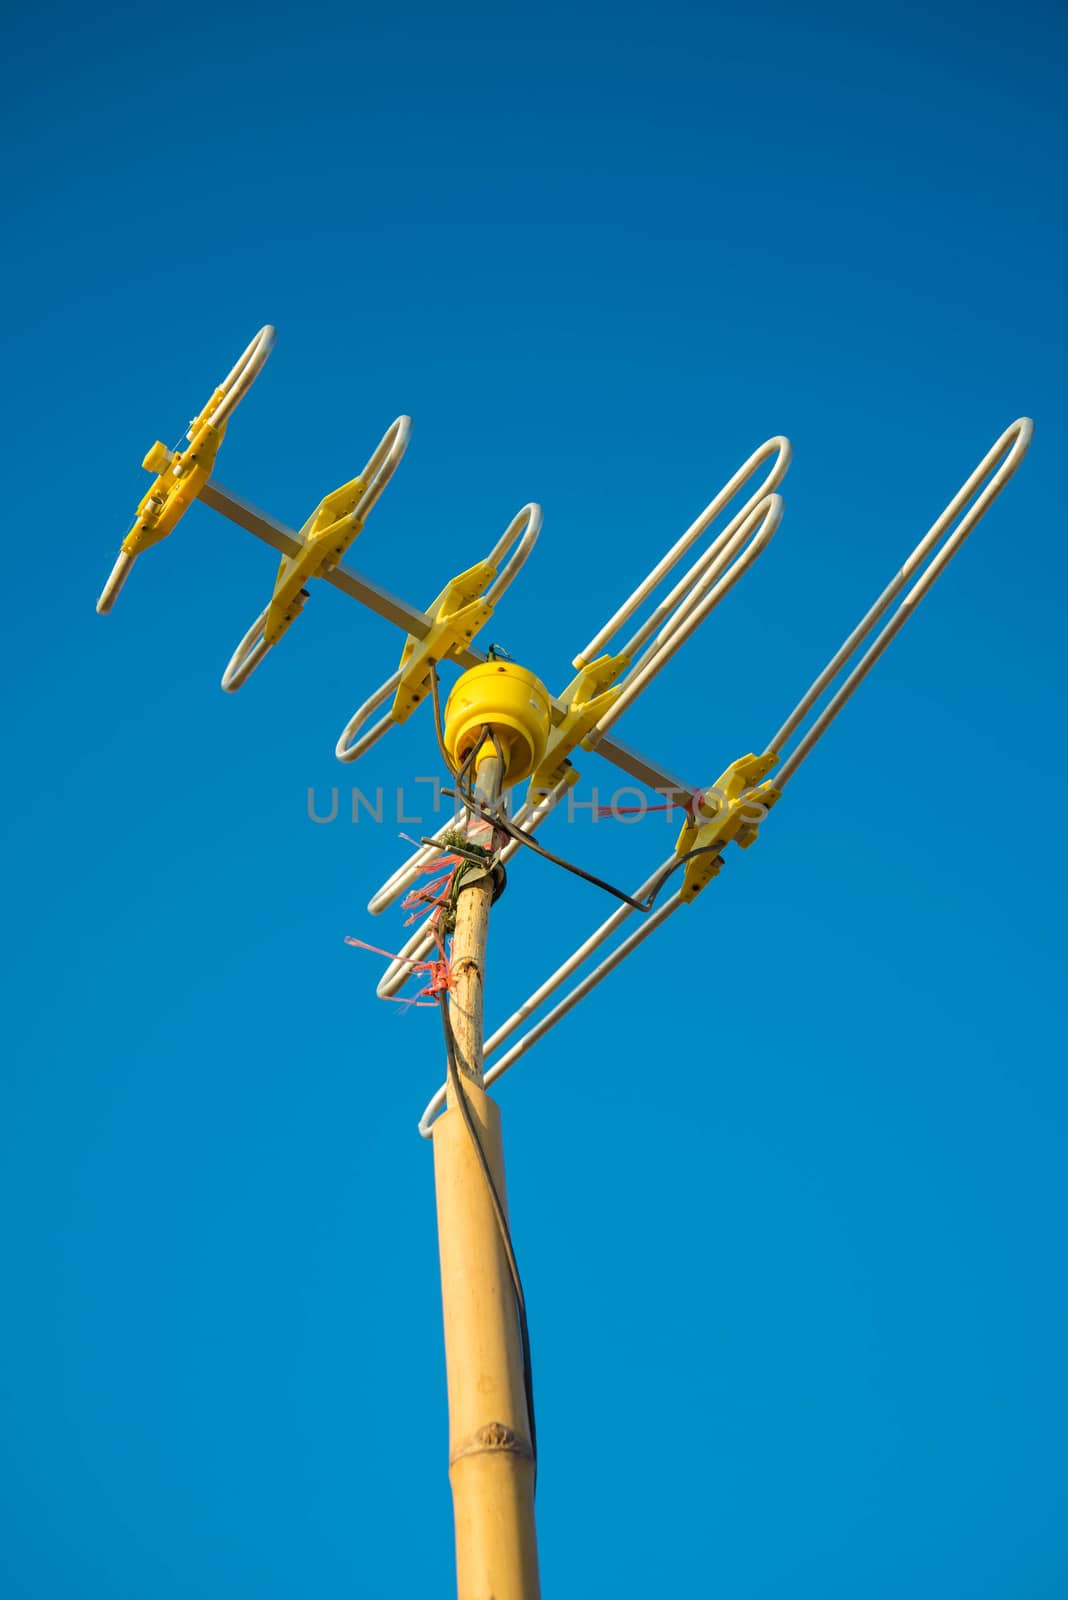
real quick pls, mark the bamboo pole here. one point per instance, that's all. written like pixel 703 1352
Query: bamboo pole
pixel 491 1462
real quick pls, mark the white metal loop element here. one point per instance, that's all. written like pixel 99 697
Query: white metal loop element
pixel 384 460
pixel 695 596
pixel 348 747
pixel 519 537
pixel 242 375
pixel 607 684
pixel 703 585
pixel 225 398
pixel 972 500
pixel 936 549
pixel 116 578
pixel 522 532
pixel 780 448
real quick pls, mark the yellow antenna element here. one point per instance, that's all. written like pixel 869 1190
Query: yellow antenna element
pixel 445 633
pixel 585 702
pixel 459 611
pixel 323 540
pixel 326 535
pixel 512 703
pixel 730 812
pixel 182 474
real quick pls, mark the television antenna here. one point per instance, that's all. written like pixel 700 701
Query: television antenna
pixel 502 729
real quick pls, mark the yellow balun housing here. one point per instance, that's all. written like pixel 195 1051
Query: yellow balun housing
pixel 512 703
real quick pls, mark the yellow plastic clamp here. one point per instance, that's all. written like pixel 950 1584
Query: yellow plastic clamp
pixel 180 476
pixel 459 611
pixel 586 699
pixel 327 534
pixel 731 811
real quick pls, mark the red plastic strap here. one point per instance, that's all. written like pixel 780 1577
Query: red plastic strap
pixel 439 971
pixel 629 811
pixel 692 805
pixel 432 895
pixel 433 899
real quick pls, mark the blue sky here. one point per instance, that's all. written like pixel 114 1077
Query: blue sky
pixel 793 1235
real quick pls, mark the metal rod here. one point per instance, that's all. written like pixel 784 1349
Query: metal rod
pixel 418 624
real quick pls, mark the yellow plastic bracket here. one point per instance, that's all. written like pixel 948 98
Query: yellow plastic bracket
pixel 586 699
pixel 731 811
pixel 180 476
pixel 327 534
pixel 459 611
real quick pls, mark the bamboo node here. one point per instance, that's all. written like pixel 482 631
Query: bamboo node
pixel 493 1437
